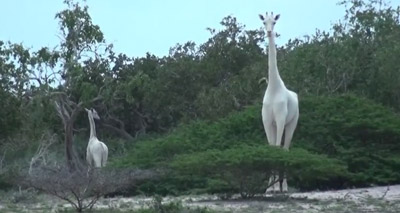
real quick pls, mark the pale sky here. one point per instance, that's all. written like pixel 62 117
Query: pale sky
pixel 139 26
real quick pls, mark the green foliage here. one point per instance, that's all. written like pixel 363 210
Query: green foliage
pixel 356 130
pixel 10 120
pixel 238 128
pixel 246 168
pixel 359 55
pixel 357 150
pixel 213 79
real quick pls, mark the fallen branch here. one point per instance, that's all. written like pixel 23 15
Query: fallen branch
pixel 385 193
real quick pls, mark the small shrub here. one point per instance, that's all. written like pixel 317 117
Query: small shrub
pixel 81 187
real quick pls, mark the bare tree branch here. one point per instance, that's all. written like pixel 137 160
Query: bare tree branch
pixel 42 150
pixel 385 193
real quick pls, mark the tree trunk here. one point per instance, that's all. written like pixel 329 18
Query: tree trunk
pixel 68 145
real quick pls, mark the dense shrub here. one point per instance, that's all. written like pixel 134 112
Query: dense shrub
pixel 247 168
pixel 239 128
pixel 353 130
pixel 356 130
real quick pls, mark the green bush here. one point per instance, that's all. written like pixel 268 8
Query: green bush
pixel 356 131
pixel 247 168
pixel 237 129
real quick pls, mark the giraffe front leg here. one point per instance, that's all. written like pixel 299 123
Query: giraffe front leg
pixel 270 187
pixel 277 185
pixel 280 114
pixel 269 126
pixel 289 130
pixel 273 184
pixel 284 185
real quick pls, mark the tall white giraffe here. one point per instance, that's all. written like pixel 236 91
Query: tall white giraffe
pixel 280 110
pixel 97 151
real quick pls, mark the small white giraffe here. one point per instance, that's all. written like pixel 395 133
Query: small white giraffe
pixel 280 110
pixel 97 151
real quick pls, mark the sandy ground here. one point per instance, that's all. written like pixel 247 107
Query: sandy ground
pixel 373 199
pixel 383 192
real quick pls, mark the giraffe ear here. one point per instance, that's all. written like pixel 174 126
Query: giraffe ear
pixel 261 17
pixel 277 17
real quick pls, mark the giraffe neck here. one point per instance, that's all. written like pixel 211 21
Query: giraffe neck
pixel 92 126
pixel 273 74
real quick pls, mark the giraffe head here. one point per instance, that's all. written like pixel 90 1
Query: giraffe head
pixel 269 22
pixel 93 112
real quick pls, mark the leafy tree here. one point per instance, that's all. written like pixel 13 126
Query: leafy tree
pixel 358 56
